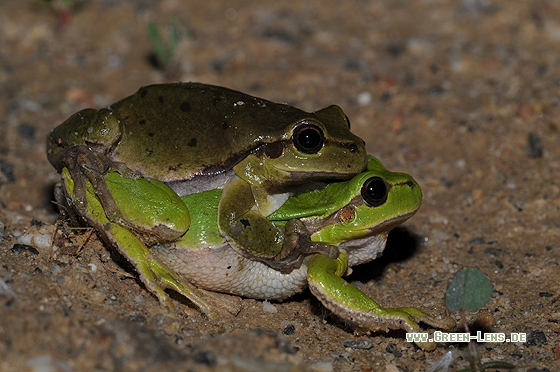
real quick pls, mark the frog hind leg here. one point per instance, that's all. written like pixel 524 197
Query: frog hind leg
pixel 126 199
pixel 253 236
pixel 351 304
pixel 155 275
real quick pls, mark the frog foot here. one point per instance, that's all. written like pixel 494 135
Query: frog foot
pixel 351 304
pixel 155 275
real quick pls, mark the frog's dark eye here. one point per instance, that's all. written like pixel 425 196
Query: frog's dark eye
pixel 375 191
pixel 308 138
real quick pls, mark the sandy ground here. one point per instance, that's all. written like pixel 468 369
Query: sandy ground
pixel 463 95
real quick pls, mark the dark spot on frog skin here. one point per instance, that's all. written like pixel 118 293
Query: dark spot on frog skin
pixel 151 134
pixel 192 142
pixel 225 125
pixel 245 222
pixel 149 152
pixel 185 107
pixel 175 167
pixel 143 93
pixel 216 101
pixel 142 122
pixel 160 99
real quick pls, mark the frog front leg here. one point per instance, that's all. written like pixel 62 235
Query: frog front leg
pixel 129 201
pixel 149 205
pixel 351 304
pixel 80 145
pixel 246 228
pixel 84 165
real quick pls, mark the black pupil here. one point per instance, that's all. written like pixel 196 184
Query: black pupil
pixel 375 191
pixel 309 138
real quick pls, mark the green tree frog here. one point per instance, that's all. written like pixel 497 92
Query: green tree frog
pixel 195 137
pixel 354 215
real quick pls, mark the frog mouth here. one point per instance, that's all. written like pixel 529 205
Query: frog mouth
pixel 300 177
pixel 379 229
pixel 391 223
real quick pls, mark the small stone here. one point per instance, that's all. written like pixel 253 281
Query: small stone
pixel 392 349
pixel 268 307
pixel 205 357
pixel 484 321
pixel 364 98
pixel 535 146
pixel 289 330
pixel 20 248
pixel 364 344
pixel 536 338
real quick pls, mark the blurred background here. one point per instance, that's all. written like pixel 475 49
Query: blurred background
pixel 463 95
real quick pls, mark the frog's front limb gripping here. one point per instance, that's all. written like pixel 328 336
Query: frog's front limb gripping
pixel 253 236
pixel 85 165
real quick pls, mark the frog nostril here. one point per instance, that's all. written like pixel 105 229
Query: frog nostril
pixel 353 147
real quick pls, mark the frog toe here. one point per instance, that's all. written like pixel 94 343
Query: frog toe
pixel 158 277
pixel 443 322
pixel 446 323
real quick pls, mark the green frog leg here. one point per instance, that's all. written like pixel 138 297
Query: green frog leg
pixel 351 304
pixel 155 275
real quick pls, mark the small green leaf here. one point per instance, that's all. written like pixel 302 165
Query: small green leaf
pixel 160 48
pixel 470 289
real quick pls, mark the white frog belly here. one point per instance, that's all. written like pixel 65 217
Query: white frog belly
pixel 221 269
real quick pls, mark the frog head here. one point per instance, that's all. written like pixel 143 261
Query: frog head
pixel 357 214
pixel 318 145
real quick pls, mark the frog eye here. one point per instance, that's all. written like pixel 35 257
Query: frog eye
pixel 375 191
pixel 308 138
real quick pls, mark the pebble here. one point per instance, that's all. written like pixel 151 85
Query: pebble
pixel 268 307
pixel 39 237
pixel 364 344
